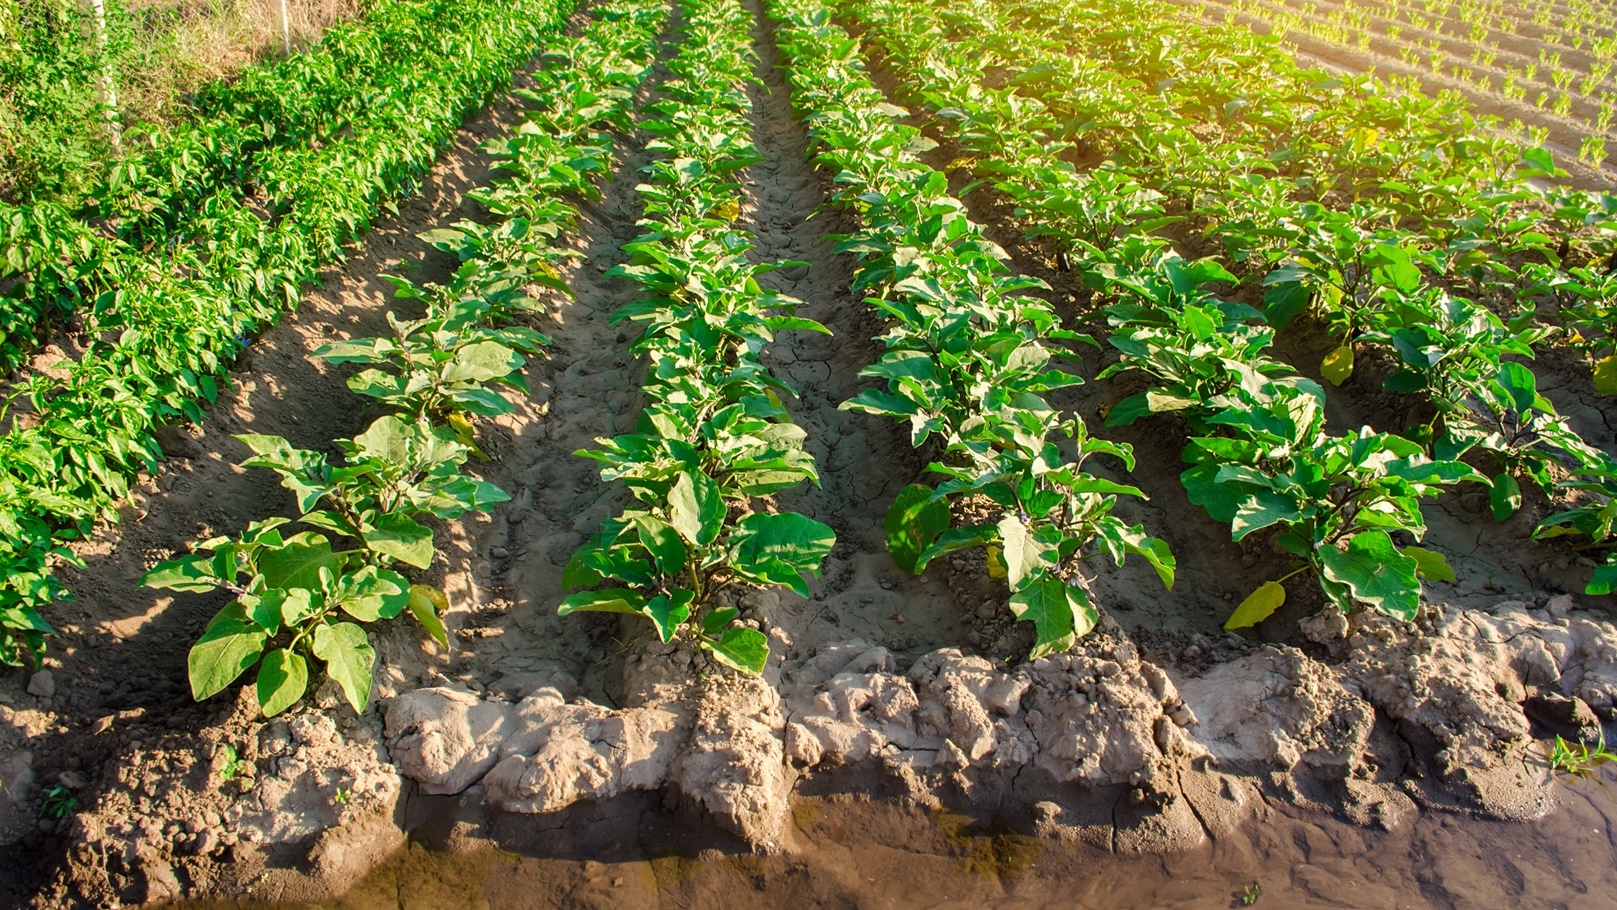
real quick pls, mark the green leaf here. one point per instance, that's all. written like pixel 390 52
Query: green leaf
pixel 1430 564
pixel 746 650
pixel 610 600
pixel 400 537
pixel 797 540
pixel 1605 578
pixel 1338 365
pixel 669 612
pixel 695 508
pixel 954 540
pixel 1505 497
pixel 282 679
pixel 663 542
pixel 481 362
pixel 1261 509
pixel 1023 553
pixel 349 658
pixel 1258 606
pixel 1375 572
pixel 372 594
pixel 228 647
pixel 717 618
pixel 427 605
pixel 193 574
pixel 914 521
pixel 1060 613
pixel 1605 375
pixel 298 563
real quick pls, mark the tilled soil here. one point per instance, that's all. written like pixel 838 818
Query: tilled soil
pixel 561 737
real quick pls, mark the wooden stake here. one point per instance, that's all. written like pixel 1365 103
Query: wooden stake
pixel 286 30
pixel 109 89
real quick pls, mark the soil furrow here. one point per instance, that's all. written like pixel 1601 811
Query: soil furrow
pixel 863 460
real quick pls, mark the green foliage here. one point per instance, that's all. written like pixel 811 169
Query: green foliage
pixel 1579 759
pixel 970 355
pixel 715 435
pixel 1593 516
pixel 1361 211
pixel 305 598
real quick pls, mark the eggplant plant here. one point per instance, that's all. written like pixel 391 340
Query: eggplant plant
pixel 715 437
pixel 1595 517
pixel 302 599
pixel 969 356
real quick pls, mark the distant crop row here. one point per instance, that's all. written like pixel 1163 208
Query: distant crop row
pixel 1557 61
pixel 1373 228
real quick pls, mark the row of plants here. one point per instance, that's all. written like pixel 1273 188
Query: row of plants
pixel 265 135
pixel 169 321
pixel 1365 286
pixel 1281 165
pixel 714 441
pixel 305 596
pixel 969 358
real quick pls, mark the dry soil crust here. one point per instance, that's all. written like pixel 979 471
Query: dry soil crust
pixel 881 683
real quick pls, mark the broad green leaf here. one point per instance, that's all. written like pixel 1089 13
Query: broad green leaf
pixel 483 361
pixel 1604 580
pixel 1130 409
pixel 954 540
pixel 298 563
pixel 350 660
pixel 228 647
pixel 1377 574
pixel 611 600
pixel 696 509
pixel 717 618
pixel 1430 564
pixel 288 608
pixel 1505 497
pixel 1338 365
pixel 669 612
pixel 1258 606
pixel 796 540
pixel 1024 555
pixel 746 650
pixel 282 679
pixel 914 521
pixel 375 594
pixel 1060 613
pixel 1262 509
pixel 400 537
pixel 1605 375
pixel 663 542
pixel 427 605
pixel 192 574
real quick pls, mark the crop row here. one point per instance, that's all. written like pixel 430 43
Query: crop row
pixel 968 362
pixel 166 323
pixel 714 440
pixel 1271 463
pixel 310 591
pixel 68 252
pixel 1576 89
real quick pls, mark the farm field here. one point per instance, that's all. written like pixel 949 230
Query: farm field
pixel 739 444
pixel 1544 70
